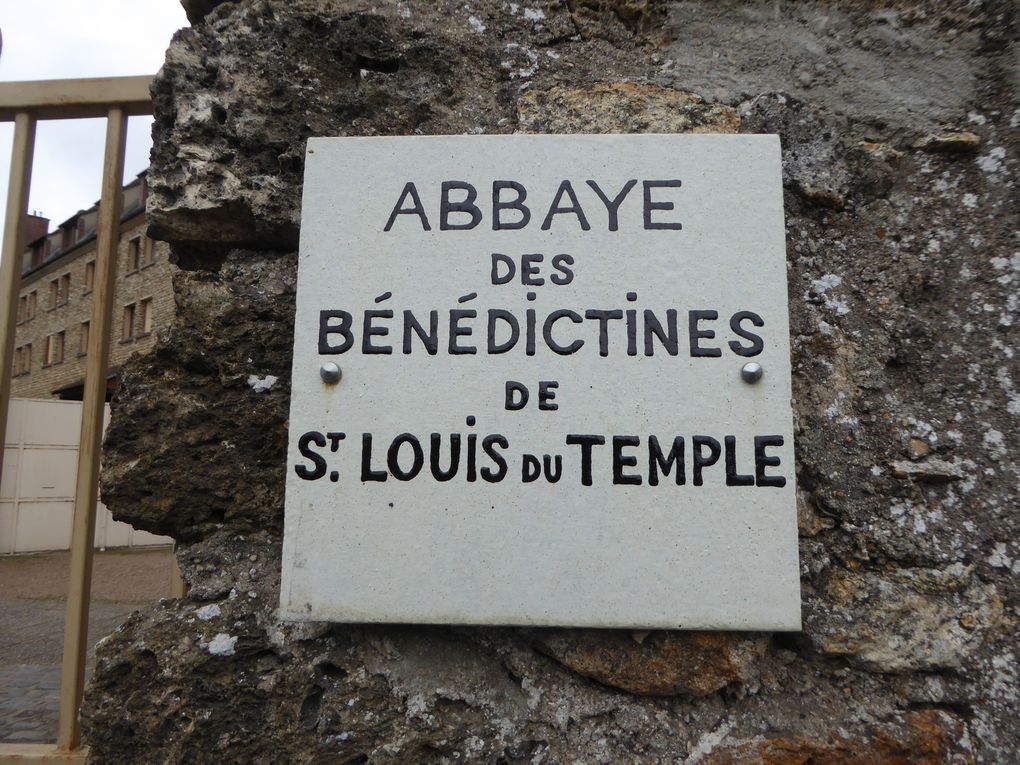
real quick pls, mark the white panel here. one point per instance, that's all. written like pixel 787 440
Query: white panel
pixel 116 534
pixel 141 538
pixel 7 516
pixel 48 473
pixel 14 420
pixel 56 423
pixel 102 518
pixel 43 526
pixel 502 549
pixel 9 480
pixel 40 463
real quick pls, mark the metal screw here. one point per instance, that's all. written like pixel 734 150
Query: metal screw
pixel 751 372
pixel 330 372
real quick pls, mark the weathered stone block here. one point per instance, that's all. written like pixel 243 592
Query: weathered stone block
pixel 659 664
pixel 925 738
pixel 621 106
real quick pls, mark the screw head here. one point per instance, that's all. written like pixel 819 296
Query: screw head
pixel 330 372
pixel 751 372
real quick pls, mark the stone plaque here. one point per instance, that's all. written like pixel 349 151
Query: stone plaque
pixel 564 384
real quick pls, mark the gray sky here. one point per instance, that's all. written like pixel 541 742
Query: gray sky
pixel 55 39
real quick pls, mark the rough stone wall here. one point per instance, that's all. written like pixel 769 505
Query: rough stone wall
pixel 899 126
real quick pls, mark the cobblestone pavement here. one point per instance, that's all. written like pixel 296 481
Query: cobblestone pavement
pixel 28 703
pixel 32 629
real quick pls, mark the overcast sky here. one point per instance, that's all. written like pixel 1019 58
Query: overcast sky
pixel 56 39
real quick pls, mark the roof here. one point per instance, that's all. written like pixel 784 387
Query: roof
pixel 58 253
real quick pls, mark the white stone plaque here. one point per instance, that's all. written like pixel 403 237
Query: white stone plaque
pixel 541 417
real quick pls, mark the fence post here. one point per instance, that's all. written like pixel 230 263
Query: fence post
pixel 10 258
pixel 72 678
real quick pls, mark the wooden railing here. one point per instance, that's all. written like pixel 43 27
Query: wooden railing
pixel 24 103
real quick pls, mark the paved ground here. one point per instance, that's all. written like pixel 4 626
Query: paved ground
pixel 32 604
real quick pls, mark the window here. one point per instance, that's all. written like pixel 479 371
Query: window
pixel 23 360
pixel 148 252
pixel 127 326
pixel 33 301
pixel 145 317
pixel 134 260
pixel 83 339
pixel 60 289
pixel 22 308
pixel 55 348
pixel 90 276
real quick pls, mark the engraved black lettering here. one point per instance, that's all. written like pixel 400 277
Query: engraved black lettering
pixel 697 334
pixel 367 473
pixel 702 460
pixel 430 339
pixel 657 462
pixel 466 206
pixel 435 447
pixel 327 328
pixel 603 318
pixel 416 209
pixel 393 457
pixel 613 205
pixel 371 331
pixel 757 344
pixel 318 469
pixel 586 442
pixel 574 208
pixel 621 461
pixel 547 329
pixel 733 478
pixel 517 203
pixel 762 461
pixel 651 205
pixel 562 264
pixel 489 444
pixel 456 331
pixel 667 337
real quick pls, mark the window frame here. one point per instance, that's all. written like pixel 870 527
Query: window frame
pixel 134 255
pixel 64 290
pixel 52 357
pixel 128 324
pixel 84 332
pixel 144 316
pixel 148 252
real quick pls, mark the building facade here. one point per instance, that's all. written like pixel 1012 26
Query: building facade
pixel 55 300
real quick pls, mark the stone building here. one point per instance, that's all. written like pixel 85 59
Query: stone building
pixel 55 302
